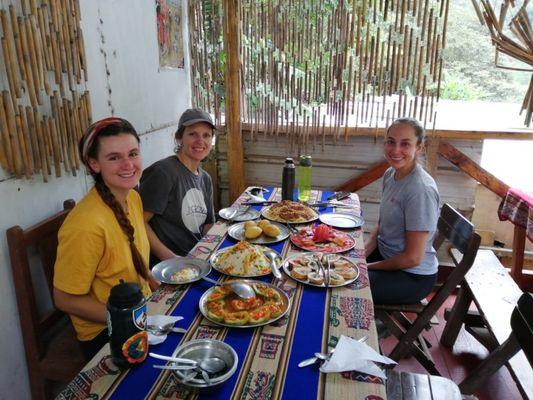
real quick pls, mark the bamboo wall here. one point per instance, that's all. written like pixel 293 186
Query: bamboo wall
pixel 44 107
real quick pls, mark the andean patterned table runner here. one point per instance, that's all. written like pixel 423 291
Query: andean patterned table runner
pixel 268 355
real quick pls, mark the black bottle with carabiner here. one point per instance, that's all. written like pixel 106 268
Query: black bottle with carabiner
pixel 126 322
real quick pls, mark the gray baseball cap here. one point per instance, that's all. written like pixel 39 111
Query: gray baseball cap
pixel 192 116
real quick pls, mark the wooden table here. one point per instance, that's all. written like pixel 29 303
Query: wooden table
pixel 269 355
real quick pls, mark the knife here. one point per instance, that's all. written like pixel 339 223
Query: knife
pixel 329 204
pixel 258 203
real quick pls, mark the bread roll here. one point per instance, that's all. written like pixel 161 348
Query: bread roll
pixel 249 224
pixel 252 232
pixel 346 272
pixel 271 230
pixel 264 223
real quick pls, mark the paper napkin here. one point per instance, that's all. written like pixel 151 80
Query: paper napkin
pixel 160 320
pixel 351 355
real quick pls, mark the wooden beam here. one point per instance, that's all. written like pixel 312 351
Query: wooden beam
pixel 233 84
pixel 366 178
pixel 519 245
pixel 465 164
pixel 516 134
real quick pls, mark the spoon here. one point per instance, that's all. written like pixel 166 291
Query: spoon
pixel 240 288
pixel 212 365
pixel 271 255
pixel 160 330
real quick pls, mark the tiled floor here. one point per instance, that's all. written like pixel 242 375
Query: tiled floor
pixel 455 363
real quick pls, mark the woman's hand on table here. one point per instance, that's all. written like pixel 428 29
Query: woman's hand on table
pixel 415 247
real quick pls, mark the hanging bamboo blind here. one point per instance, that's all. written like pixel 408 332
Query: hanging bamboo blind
pixel 311 64
pixel 44 108
pixel 512 34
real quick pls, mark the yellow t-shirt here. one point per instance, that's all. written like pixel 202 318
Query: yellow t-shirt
pixel 94 254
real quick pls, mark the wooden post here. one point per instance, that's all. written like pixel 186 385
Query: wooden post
pixel 233 86
pixel 519 243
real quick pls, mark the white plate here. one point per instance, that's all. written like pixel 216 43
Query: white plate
pixel 250 214
pixel 236 231
pixel 164 270
pixel 340 220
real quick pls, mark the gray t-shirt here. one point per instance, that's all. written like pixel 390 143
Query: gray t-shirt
pixel 410 204
pixel 182 202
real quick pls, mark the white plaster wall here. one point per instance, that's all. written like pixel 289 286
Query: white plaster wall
pixel 124 80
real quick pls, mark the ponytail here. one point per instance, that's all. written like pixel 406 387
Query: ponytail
pixel 124 223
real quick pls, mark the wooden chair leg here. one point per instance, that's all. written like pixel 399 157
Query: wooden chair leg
pixel 490 365
pixel 457 315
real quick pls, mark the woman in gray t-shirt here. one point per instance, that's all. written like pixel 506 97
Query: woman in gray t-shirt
pixel 177 193
pixel 401 259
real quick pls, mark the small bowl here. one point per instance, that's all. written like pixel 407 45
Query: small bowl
pixel 205 348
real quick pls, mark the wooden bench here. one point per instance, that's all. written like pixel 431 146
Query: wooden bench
pixel 494 294
pixel 409 386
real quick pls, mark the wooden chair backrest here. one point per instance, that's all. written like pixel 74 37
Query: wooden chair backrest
pixel 44 237
pixel 460 232
pixel 522 324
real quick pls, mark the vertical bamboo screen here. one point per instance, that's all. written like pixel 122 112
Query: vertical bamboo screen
pixel 44 108
pixel 311 64
pixel 512 34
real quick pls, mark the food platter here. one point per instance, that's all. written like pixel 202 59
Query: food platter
pixel 337 242
pixel 236 231
pixel 181 270
pixel 221 306
pixel 233 260
pixel 249 214
pixel 290 212
pixel 304 268
pixel 340 220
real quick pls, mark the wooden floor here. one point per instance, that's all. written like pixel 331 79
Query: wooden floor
pixel 455 363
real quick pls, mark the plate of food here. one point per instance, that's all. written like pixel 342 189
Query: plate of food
pixel 223 307
pixel 244 260
pixel 291 212
pixel 312 269
pixel 323 238
pixel 181 270
pixel 246 214
pixel 262 232
pixel 341 220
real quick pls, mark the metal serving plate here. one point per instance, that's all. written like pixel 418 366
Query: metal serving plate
pixel 236 231
pixel 214 258
pixel 248 215
pixel 287 269
pixel 284 297
pixel 340 220
pixel 164 270
pixel 266 214
pixel 326 248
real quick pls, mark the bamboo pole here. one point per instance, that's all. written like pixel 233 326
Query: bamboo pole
pixel 6 156
pixel 10 54
pixel 12 132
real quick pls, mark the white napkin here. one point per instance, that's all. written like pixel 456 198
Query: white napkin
pixel 160 320
pixel 351 355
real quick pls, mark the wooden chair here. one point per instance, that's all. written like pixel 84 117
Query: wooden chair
pixel 520 338
pixel 460 233
pixel 52 351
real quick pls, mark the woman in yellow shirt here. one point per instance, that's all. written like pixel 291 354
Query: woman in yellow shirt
pixel 103 239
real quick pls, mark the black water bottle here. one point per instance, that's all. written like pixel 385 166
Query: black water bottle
pixel 126 322
pixel 287 181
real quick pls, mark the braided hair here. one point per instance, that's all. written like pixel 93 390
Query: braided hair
pixel 88 148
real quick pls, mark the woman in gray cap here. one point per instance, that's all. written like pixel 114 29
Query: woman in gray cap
pixel 177 193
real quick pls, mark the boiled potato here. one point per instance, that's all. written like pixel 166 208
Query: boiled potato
pixel 271 230
pixel 249 224
pixel 264 223
pixel 252 232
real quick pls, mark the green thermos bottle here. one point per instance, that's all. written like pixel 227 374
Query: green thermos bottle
pixel 304 178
